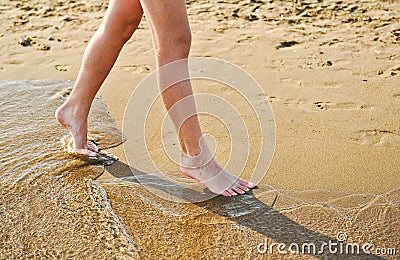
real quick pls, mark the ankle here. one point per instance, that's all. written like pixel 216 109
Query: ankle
pixel 191 151
pixel 75 108
pixel 203 157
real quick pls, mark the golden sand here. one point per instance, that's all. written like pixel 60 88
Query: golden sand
pixel 331 72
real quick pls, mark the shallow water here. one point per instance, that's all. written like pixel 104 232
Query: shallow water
pixel 52 206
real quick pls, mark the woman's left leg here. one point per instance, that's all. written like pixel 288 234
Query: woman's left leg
pixel 120 21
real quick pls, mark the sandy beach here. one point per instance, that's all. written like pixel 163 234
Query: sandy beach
pixel 330 70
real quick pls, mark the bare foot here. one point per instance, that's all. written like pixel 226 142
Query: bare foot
pixel 92 146
pixel 75 121
pixel 206 170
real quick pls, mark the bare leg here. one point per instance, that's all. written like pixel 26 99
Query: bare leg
pixel 171 39
pixel 120 22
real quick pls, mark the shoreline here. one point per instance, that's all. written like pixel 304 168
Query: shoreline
pixel 331 73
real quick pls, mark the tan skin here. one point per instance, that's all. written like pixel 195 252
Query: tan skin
pixel 171 35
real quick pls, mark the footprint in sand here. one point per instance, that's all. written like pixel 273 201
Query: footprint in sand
pixel 286 44
pixel 377 137
pixel 291 82
pixel 62 67
pixel 134 68
pixel 13 62
pixel 392 72
pixel 271 99
pixel 305 105
pixel 244 38
pixel 297 83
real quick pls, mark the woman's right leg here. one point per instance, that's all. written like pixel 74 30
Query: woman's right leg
pixel 171 39
pixel 121 20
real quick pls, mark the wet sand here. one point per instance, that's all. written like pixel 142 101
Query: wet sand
pixel 50 205
pixel 331 73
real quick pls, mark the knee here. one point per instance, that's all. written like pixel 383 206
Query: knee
pixel 121 30
pixel 127 32
pixel 174 43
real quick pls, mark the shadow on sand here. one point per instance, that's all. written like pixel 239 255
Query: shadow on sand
pixel 247 210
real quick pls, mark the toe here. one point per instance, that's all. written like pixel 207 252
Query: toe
pixel 91 145
pixel 243 182
pixel 237 189
pixel 232 192
pixel 246 183
pixel 242 187
pixel 226 194
pixel 251 185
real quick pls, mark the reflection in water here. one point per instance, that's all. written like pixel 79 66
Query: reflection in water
pixel 51 206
